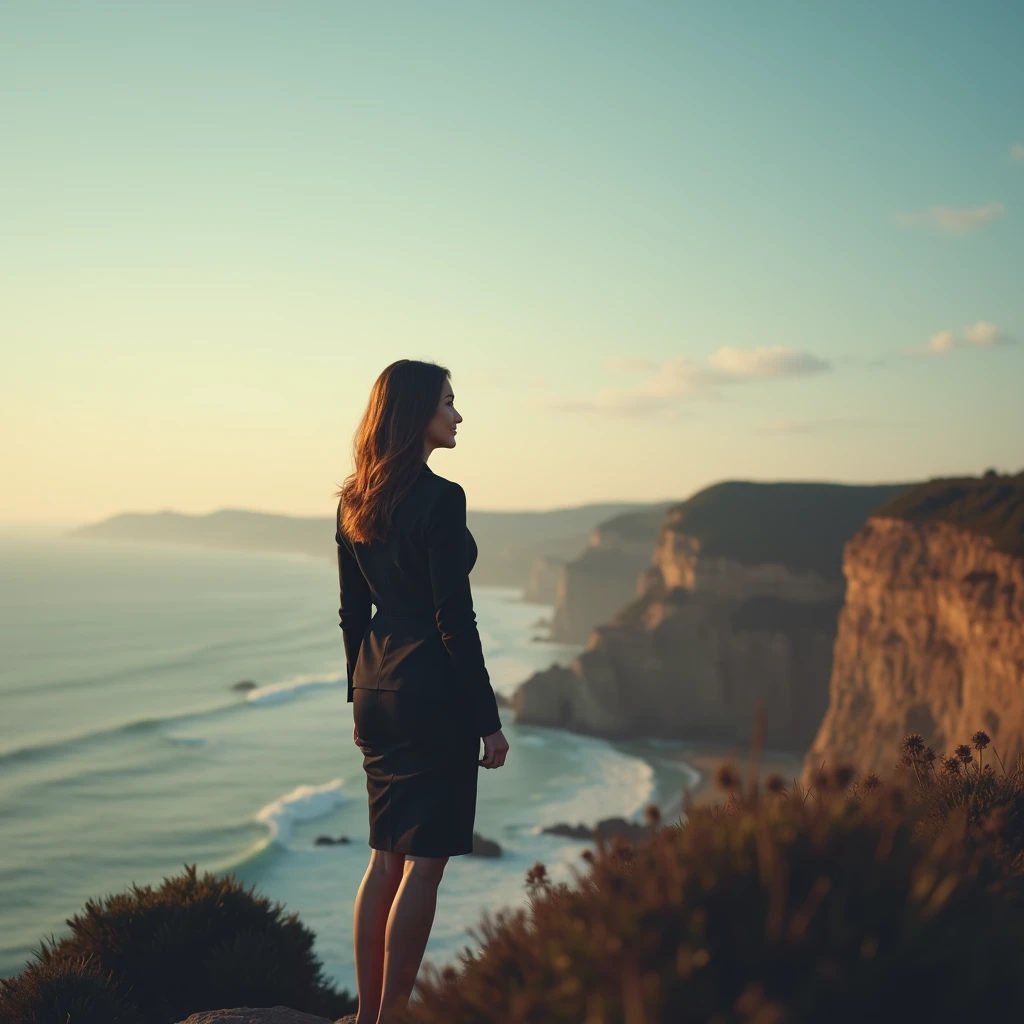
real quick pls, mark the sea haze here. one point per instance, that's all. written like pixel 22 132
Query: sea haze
pixel 125 753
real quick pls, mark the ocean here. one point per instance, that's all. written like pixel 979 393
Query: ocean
pixel 125 752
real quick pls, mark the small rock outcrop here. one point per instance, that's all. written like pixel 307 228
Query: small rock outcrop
pixel 606 828
pixel 261 1015
pixel 737 610
pixel 484 847
pixel 931 636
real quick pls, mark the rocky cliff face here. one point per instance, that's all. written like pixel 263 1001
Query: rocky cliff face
pixel 737 609
pixel 930 640
pixel 592 587
pixel 542 585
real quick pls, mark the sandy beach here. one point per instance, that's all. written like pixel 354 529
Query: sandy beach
pixel 706 760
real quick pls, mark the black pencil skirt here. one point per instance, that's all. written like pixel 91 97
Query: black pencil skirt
pixel 421 772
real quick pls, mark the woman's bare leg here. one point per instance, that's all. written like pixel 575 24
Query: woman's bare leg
pixel 409 923
pixel 369 924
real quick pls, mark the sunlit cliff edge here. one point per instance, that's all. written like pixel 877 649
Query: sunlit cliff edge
pixel 931 636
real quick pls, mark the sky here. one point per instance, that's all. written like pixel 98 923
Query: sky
pixel 658 245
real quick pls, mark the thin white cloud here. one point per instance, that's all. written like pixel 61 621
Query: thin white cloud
pixel 766 362
pixel 953 220
pixel 984 335
pixel 941 342
pixel 1017 152
pixel 977 335
pixel 681 378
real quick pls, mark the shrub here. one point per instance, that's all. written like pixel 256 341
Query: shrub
pixel 75 989
pixel 831 905
pixel 196 944
pixel 964 790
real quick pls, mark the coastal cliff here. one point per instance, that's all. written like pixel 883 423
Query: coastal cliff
pixel 931 636
pixel 593 586
pixel 737 608
pixel 542 584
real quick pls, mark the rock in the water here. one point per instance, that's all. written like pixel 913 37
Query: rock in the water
pixel 330 840
pixel 245 684
pixel 260 1015
pixel 606 828
pixel 485 847
pixel 569 831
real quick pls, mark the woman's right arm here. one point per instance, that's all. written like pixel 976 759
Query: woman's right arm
pixel 354 605
pixel 448 560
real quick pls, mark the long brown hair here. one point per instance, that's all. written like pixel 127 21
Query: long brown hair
pixel 388 447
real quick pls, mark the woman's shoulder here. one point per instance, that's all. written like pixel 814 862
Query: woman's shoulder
pixel 443 496
pixel 441 484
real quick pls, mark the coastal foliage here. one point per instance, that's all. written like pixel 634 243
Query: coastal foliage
pixel 991 505
pixel 802 526
pixel 853 900
pixel 194 943
pixel 72 989
pixel 972 790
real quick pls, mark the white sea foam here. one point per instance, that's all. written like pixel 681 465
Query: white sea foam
pixel 185 740
pixel 303 803
pixel 531 741
pixel 611 784
pixel 278 693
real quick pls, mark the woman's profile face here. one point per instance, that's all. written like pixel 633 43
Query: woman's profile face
pixel 441 428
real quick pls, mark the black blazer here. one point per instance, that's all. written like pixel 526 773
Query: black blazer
pixel 422 639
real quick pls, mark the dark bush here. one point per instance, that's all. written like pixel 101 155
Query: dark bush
pixel 826 906
pixel 197 944
pixel 75 989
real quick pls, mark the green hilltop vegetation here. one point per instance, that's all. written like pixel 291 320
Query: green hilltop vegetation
pixel 990 505
pixel 641 525
pixel 800 525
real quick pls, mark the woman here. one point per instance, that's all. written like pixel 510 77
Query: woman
pixel 421 696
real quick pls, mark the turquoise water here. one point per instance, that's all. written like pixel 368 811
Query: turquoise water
pixel 125 753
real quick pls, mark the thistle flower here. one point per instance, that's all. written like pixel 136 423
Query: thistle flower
pixel 871 781
pixel 913 743
pixel 964 753
pixel 980 740
pixel 727 777
pixel 537 874
pixel 928 755
pixel 951 766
